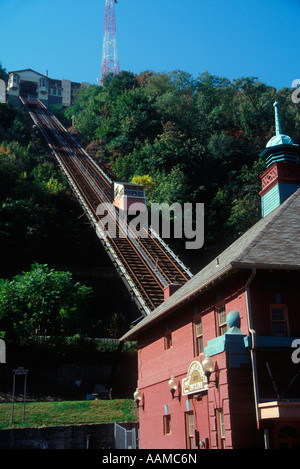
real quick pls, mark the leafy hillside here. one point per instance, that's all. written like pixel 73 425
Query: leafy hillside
pixel 194 140
pixel 35 203
pixel 188 140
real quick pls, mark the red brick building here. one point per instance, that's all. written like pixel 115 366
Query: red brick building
pixel 243 312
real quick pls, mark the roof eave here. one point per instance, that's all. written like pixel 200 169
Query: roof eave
pixel 218 276
pixel 264 266
pixel 27 70
pixel 149 321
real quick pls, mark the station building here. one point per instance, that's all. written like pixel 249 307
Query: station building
pixel 218 361
pixel 29 83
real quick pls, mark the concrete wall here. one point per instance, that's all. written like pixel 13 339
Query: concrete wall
pixel 99 436
pixel 66 93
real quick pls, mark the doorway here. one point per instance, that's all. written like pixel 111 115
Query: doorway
pixel 28 88
pixel 189 430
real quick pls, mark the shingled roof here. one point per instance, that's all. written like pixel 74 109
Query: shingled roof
pixel 273 242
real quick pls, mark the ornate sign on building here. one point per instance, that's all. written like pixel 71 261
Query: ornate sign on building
pixel 195 381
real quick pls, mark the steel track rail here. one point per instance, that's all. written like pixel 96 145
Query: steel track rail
pixel 165 264
pixel 99 198
pixel 153 259
pixel 136 295
pixel 141 267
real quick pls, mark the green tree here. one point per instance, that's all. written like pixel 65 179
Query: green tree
pixel 3 73
pixel 145 181
pixel 170 188
pixel 10 168
pixel 132 120
pixel 115 85
pixel 253 107
pixel 42 302
pixel 14 125
pixel 246 204
pixel 198 139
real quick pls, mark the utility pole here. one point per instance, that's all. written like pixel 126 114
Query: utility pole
pixel 110 61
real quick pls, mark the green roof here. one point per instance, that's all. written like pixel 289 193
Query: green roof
pixel 279 140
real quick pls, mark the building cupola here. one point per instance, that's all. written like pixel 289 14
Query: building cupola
pixel 282 175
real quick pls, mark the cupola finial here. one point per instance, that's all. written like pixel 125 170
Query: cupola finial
pixel 282 175
pixel 277 120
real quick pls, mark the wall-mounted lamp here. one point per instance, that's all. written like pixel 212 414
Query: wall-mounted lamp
pixel 208 367
pixel 138 398
pixel 173 386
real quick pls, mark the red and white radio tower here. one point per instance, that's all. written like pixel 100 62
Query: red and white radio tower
pixel 110 61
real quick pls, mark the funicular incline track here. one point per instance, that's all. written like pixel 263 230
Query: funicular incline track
pixel 145 264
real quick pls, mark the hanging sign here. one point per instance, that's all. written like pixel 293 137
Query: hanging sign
pixel 20 371
pixel 195 381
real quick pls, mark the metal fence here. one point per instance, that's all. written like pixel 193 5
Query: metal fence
pixel 124 439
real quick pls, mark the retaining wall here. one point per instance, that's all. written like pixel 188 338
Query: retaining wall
pixel 94 436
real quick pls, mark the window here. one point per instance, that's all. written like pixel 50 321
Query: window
pixel 288 438
pixel 220 429
pixel 189 430
pixel 198 336
pixel 134 192
pixel 279 320
pixel 168 340
pixel 221 324
pixel 167 424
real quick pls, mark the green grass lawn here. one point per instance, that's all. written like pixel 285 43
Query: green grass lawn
pixel 38 414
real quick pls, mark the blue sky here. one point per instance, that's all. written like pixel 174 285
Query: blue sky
pixel 230 38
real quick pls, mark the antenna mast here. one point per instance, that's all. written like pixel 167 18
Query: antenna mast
pixel 110 61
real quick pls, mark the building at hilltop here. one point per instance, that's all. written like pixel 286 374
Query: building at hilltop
pixel 218 365
pixel 31 84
